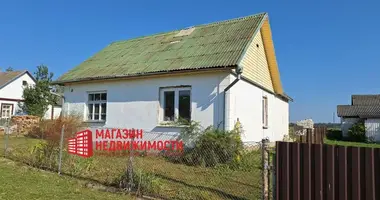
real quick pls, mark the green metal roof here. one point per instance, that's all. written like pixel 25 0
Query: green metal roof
pixel 214 45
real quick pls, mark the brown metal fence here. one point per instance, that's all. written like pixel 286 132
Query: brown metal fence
pixel 315 171
pixel 315 136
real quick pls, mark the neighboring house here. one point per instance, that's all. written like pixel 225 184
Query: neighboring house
pixel 12 85
pixel 363 108
pixel 54 111
pixel 216 74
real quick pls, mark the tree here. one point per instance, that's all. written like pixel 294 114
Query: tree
pixel 37 98
pixel 9 69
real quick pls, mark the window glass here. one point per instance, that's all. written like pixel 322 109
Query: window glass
pixel 104 111
pixel 169 105
pixel 96 113
pixel 184 104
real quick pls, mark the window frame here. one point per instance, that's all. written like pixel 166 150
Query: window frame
pixel 265 112
pixel 176 91
pixel 93 102
pixel 10 111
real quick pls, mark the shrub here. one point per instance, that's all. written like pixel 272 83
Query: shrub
pixel 334 134
pixel 50 130
pixel 292 135
pixel 357 133
pixel 210 147
pixel 43 155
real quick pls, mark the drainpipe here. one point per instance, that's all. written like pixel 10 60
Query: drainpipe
pixel 226 101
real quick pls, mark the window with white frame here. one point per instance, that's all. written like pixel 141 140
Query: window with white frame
pixel 97 106
pixel 265 111
pixel 6 110
pixel 175 103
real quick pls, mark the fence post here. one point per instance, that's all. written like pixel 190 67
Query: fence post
pixel 6 135
pixel 130 166
pixel 274 189
pixel 60 150
pixel 265 166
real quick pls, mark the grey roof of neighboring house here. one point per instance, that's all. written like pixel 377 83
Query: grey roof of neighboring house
pixel 362 106
pixel 369 100
pixel 358 111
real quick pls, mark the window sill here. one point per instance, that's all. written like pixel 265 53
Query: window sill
pixel 162 125
pixel 95 121
pixel 265 127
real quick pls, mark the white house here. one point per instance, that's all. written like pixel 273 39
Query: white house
pixel 12 85
pixel 215 74
pixel 365 108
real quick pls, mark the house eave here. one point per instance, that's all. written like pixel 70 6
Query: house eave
pixel 147 75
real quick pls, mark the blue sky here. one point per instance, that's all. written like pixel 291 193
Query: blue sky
pixel 326 50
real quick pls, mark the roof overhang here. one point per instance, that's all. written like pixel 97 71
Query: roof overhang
pixel 145 75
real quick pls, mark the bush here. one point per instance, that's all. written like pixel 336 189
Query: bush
pixel 209 147
pixel 45 153
pixel 357 133
pixel 50 130
pixel 334 134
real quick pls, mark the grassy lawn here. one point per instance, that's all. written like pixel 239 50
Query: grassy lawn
pixel 353 144
pixel 172 181
pixel 22 182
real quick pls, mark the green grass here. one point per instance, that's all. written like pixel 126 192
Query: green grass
pixel 174 181
pixel 354 144
pixel 22 182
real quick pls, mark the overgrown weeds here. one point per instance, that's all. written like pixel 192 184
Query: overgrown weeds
pixel 50 130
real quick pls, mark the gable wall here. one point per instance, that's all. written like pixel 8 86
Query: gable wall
pixel 255 65
pixel 15 89
pixel 245 105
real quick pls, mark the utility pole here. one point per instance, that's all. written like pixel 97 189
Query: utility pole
pixel 334 117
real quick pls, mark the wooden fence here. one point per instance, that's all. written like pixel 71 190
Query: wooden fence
pixel 315 136
pixel 316 171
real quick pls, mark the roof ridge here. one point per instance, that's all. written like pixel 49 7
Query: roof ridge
pixel 14 71
pixel 233 19
pixel 200 25
pixel 365 95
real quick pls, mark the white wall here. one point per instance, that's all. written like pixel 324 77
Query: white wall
pixel 57 112
pixel 135 103
pixel 246 105
pixel 15 89
pixel 346 123
pixel 372 127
